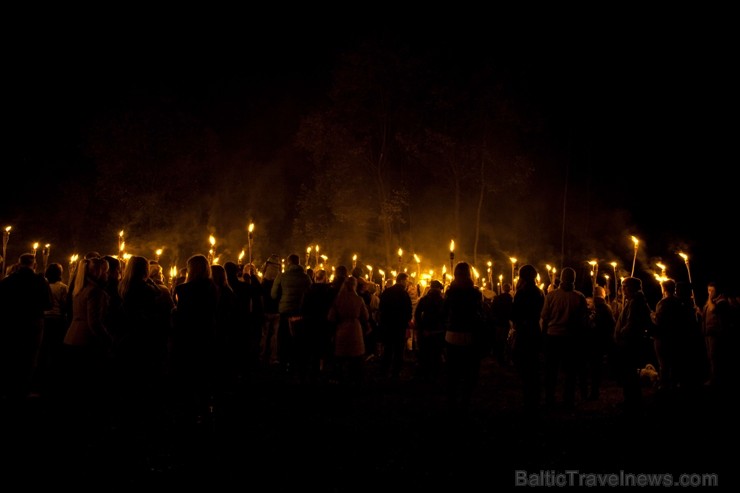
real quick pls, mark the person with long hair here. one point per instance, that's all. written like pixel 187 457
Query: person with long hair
pixel 88 346
pixel 350 316
pixel 527 343
pixel 140 344
pixel 194 339
pixel 227 331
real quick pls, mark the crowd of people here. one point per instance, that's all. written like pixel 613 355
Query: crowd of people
pixel 116 335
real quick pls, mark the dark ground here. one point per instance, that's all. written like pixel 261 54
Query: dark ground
pixel 278 435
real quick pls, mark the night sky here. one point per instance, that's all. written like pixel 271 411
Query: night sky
pixel 629 116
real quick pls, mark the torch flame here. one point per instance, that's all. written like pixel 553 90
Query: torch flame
pixel 400 252
pixel 513 260
pixel 212 240
pixel 7 229
pixel 120 234
pixel 452 246
pixel 354 257
pixel 36 246
pixel 416 258
pixel 241 255
pixel 158 252
pixel 683 256
pixel 614 264
pixel 251 227
pixel 635 241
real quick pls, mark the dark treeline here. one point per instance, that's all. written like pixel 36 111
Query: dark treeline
pixel 385 143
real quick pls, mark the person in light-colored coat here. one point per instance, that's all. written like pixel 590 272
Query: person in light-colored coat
pixel 350 316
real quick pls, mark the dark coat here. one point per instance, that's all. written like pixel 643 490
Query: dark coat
pixel 289 288
pixel 525 313
pixel 395 310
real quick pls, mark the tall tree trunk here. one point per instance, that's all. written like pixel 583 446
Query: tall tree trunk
pixel 384 198
pixel 481 195
pixel 458 191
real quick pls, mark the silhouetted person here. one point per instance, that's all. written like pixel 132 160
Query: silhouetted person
pixel 525 314
pixel 668 312
pixel 564 321
pixel 88 347
pixel 335 286
pixel 501 307
pixel 395 314
pixel 141 343
pixel 366 290
pixel 629 334
pixel 716 317
pixel 115 272
pixel 465 319
pixel 269 343
pixel 599 340
pixel 430 328
pixel 248 323
pixel 24 296
pixel 349 314
pixel 56 322
pixel 193 347
pixel 318 330
pixel 288 290
pixel 228 351
pixel 165 304
pixel 692 365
